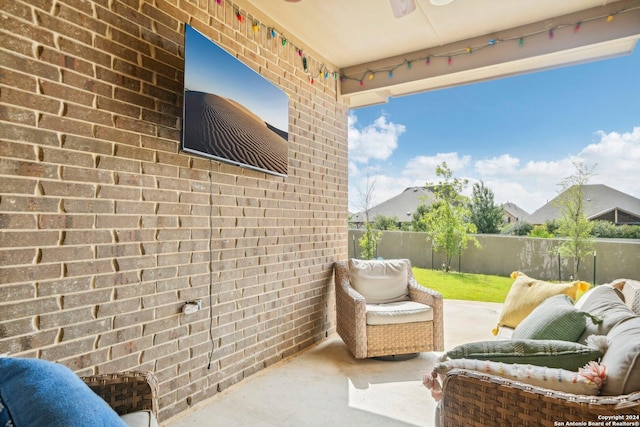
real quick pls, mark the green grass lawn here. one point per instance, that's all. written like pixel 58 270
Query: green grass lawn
pixel 465 286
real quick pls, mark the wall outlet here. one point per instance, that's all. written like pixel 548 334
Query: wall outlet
pixel 191 307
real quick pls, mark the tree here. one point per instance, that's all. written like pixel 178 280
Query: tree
pixel 417 224
pixel 573 222
pixel 447 221
pixel 369 240
pixel 484 213
pixel 386 223
pixel 519 228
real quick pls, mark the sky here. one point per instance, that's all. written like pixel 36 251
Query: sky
pixel 520 135
pixel 211 69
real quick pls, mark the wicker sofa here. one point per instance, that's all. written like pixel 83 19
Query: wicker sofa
pixel 36 392
pixel 400 335
pixel 132 394
pixel 473 398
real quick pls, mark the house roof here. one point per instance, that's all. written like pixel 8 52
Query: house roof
pixel 516 211
pixel 599 199
pixel 467 41
pixel 401 206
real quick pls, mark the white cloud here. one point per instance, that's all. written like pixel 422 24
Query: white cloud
pixel 424 167
pixel 617 157
pixel 377 140
pixel 529 185
pixel 501 165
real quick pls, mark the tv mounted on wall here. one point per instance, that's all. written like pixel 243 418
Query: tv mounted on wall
pixel 232 113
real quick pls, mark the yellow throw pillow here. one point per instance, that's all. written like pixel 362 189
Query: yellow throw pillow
pixel 527 293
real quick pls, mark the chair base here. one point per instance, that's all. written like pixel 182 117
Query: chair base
pixel 397 357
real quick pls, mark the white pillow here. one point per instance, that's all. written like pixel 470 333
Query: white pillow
pixel 380 281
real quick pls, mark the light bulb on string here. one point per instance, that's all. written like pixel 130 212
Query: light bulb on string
pixel 492 42
pixel 428 61
pixel 610 18
pixel 299 52
pixel 239 16
pixel 468 50
pixel 371 75
pixel 256 27
pixel 361 83
pixel 551 33
pixel 273 33
pixel 219 1
pixel 409 65
pixel 449 61
pixel 521 41
pixel 577 27
pixel 284 41
pixel 390 74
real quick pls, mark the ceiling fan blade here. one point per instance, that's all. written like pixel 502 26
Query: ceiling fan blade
pixel 402 7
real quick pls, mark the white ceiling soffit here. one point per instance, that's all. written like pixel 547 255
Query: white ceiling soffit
pixel 359 35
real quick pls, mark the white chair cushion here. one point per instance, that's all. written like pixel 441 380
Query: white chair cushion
pixel 398 312
pixel 140 419
pixel 380 281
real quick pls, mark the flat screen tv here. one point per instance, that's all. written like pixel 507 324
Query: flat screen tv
pixel 232 113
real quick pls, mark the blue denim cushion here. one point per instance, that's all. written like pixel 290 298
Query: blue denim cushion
pixel 40 393
pixel 5 419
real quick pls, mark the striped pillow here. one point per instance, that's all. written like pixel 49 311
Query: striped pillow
pixel 555 319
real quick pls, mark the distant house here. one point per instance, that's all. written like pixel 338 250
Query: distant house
pixel 601 203
pixel 401 206
pixel 406 203
pixel 512 213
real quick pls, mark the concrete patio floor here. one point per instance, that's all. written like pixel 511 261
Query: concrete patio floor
pixel 325 386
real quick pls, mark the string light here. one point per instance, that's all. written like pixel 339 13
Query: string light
pixel 370 74
pixel 272 33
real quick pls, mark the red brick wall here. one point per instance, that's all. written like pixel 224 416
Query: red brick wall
pixel 106 225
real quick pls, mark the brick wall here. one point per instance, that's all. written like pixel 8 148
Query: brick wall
pixel 107 228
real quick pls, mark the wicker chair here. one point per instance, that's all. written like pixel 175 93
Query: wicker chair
pixel 471 398
pixel 366 341
pixel 127 392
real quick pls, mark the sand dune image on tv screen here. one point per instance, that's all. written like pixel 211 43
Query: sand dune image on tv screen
pixel 230 132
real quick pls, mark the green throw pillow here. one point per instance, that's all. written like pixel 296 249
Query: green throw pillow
pixel 549 353
pixel 555 319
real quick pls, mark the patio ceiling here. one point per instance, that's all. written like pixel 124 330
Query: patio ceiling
pixel 380 56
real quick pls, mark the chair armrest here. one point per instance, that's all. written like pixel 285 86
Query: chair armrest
pixel 434 299
pixel 351 312
pixel 472 398
pixel 126 392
